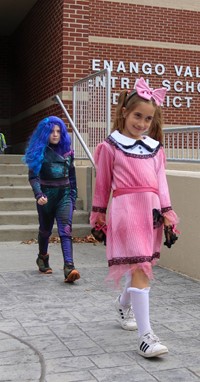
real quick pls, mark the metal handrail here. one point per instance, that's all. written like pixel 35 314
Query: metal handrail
pixel 181 129
pixel 108 90
pixel 58 100
pixel 92 109
pixel 181 143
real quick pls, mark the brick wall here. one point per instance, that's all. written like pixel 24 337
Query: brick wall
pixel 143 22
pixel 37 65
pixel 147 23
pixel 56 42
pixel 5 81
pixel 5 86
pixel 75 35
pixel 50 51
pixel 37 55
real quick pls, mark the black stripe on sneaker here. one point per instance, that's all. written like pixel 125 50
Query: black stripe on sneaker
pixel 121 313
pixel 144 346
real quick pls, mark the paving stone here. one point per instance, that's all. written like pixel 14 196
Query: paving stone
pixel 19 372
pixel 47 343
pixel 195 370
pixel 70 333
pixel 87 351
pixel 9 344
pixel 76 376
pixel 17 356
pixel 115 359
pixel 69 364
pixel 178 375
pixel 125 373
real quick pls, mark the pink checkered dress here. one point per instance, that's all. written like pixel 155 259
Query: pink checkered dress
pixel 133 172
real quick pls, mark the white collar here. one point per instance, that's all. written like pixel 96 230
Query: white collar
pixel 126 141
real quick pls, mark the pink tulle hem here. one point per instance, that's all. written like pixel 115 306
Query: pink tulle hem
pixel 116 272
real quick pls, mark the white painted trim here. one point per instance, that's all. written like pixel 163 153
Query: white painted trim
pixel 186 5
pixel 146 43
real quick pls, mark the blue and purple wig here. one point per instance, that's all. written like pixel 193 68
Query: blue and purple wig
pixel 39 140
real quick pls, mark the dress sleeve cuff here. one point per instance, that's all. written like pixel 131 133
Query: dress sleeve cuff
pixel 102 210
pixel 38 196
pixel 171 216
pixel 94 217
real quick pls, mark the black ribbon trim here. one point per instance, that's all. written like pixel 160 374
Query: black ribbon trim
pixel 137 143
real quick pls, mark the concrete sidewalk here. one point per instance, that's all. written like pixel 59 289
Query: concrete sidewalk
pixel 55 332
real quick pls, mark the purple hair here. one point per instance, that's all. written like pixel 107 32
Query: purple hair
pixel 39 140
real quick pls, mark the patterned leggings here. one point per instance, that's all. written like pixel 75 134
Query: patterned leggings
pixel 59 207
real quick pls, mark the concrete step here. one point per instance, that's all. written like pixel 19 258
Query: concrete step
pixel 10 180
pixel 31 217
pixel 24 204
pixel 21 232
pixel 16 192
pixel 10 159
pixel 15 169
pixel 17 204
pixel 19 192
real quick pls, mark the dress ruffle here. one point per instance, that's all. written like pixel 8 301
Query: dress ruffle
pixel 116 272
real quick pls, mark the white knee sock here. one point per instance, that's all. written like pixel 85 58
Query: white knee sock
pixel 140 305
pixel 125 296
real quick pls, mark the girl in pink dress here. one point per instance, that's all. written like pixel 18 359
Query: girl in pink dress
pixel 131 167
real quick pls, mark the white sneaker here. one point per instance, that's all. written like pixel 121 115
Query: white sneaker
pixel 150 346
pixel 126 316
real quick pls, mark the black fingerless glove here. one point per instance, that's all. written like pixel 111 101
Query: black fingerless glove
pixel 99 232
pixel 170 236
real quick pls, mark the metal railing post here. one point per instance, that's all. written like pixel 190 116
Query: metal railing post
pixel 181 143
pixel 92 110
pixel 58 100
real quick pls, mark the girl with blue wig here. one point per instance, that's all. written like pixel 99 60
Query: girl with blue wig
pixel 53 180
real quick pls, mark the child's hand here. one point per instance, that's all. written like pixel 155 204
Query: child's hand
pixel 43 200
pixel 99 232
pixel 101 219
pixel 166 221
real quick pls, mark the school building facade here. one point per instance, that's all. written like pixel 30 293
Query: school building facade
pixel 54 43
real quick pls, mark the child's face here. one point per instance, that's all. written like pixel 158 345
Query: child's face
pixel 139 120
pixel 54 137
